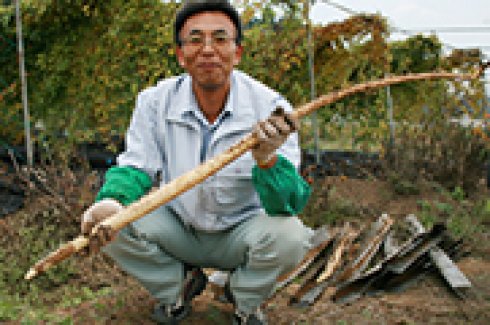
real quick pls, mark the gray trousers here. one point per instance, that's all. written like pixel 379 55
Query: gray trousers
pixel 154 249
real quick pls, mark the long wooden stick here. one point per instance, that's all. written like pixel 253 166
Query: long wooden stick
pixel 190 179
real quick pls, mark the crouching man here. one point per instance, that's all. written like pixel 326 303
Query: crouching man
pixel 242 219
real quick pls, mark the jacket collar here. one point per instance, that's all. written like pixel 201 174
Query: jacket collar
pixel 184 102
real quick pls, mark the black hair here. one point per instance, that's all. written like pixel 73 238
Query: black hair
pixel 192 7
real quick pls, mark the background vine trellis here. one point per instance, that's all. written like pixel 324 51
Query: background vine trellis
pixel 88 59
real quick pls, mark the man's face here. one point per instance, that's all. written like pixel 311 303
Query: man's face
pixel 209 51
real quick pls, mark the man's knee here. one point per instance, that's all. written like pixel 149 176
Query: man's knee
pixel 292 246
pixel 123 245
pixel 137 236
pixel 284 242
pixel 154 226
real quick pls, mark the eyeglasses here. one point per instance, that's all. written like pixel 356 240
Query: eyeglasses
pixel 197 40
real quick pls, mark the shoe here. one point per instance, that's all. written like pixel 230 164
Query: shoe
pixel 227 295
pixel 170 314
pixel 239 317
pixel 257 318
pixel 194 285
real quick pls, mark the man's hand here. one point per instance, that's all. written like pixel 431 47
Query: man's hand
pixel 272 133
pixel 95 214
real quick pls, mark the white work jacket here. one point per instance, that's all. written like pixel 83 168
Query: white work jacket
pixel 166 135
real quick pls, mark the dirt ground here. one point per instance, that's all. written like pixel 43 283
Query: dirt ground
pixel 428 301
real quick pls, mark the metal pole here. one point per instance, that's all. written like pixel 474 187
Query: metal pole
pixel 389 102
pixel 486 87
pixel 311 64
pixel 27 126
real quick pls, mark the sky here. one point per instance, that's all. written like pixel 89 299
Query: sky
pixel 421 15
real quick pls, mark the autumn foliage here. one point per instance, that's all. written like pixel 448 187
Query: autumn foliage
pixel 87 60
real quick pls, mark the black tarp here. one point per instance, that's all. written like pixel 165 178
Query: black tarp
pixel 11 198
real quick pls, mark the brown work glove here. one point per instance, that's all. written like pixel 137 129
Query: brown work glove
pixel 95 214
pixel 272 133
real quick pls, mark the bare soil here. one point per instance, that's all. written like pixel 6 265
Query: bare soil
pixel 428 301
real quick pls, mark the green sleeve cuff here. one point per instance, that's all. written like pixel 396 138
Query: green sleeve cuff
pixel 124 184
pixel 282 191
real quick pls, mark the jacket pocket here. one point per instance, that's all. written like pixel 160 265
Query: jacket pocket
pixel 232 189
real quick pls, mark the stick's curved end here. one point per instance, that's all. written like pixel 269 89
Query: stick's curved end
pixel 31 274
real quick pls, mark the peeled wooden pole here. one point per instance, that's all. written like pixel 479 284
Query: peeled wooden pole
pixel 190 179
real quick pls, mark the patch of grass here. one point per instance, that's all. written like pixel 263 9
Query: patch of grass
pixel 426 215
pixel 326 207
pixel 9 307
pixel 30 235
pixel 367 313
pixel 13 307
pixel 340 210
pixel 469 220
pixel 403 186
pixel 444 208
pixel 463 218
pixel 42 316
pixel 37 234
pixel 458 194
pixel 75 296
pixel 216 316
pixel 455 160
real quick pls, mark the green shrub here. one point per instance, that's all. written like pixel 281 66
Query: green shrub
pixel 326 207
pixel 448 154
